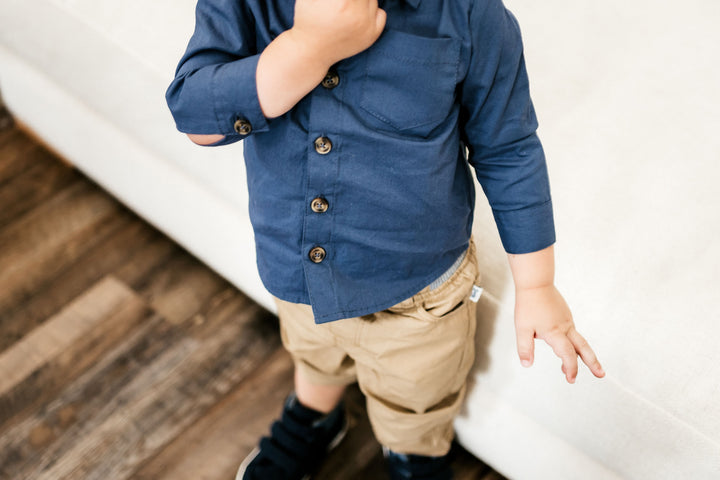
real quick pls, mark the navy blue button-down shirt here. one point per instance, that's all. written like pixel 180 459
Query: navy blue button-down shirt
pixel 443 88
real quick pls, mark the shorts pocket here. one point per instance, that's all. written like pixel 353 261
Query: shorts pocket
pixel 438 311
pixel 409 82
pixel 453 296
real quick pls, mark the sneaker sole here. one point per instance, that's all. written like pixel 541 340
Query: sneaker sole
pixel 331 446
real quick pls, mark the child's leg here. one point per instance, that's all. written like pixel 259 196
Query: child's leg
pixel 412 363
pixel 323 398
pixel 313 419
pixel 322 370
pixel 412 399
pixel 313 348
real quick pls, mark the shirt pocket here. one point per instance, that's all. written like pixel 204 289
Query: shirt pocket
pixel 409 82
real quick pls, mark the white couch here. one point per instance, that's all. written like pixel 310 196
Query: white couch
pixel 625 93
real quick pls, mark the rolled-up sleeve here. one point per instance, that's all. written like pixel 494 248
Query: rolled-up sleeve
pixel 499 127
pixel 214 90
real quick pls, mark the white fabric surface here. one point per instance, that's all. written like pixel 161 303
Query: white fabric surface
pixel 627 101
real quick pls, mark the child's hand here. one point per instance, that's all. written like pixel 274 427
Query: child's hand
pixel 542 313
pixel 337 29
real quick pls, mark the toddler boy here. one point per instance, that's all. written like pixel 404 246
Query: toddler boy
pixel 360 121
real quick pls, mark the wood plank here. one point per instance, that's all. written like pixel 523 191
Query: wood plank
pixel 7 135
pixel 135 410
pixel 214 447
pixel 6 119
pixel 15 148
pixel 143 260
pixel 125 245
pixel 39 439
pixel 45 240
pixel 61 332
pixel 180 287
pixel 375 468
pixel 42 177
pixel 491 475
pixel 36 368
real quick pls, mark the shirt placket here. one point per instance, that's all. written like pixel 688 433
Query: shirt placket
pixel 324 141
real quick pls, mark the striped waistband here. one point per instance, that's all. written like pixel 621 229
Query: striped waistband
pixel 448 273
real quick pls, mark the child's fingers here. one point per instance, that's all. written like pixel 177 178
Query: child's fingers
pixel 526 346
pixel 586 353
pixel 564 349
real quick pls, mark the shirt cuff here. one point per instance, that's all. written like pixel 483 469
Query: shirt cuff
pixel 526 230
pixel 235 98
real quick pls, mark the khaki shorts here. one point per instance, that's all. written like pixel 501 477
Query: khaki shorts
pixel 411 361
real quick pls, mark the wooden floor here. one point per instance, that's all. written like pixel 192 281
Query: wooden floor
pixel 121 355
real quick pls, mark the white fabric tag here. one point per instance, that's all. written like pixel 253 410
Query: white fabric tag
pixel 475 294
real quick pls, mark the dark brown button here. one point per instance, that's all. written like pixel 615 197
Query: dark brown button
pixel 317 254
pixel 331 80
pixel 323 145
pixel 319 205
pixel 242 126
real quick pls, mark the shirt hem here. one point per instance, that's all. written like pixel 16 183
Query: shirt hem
pixel 427 280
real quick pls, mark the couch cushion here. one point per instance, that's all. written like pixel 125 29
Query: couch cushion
pixel 625 94
pixel 118 58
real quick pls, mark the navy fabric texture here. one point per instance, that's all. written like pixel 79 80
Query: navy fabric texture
pixel 443 88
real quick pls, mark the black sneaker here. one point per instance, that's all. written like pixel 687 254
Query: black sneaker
pixel 297 444
pixel 417 467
